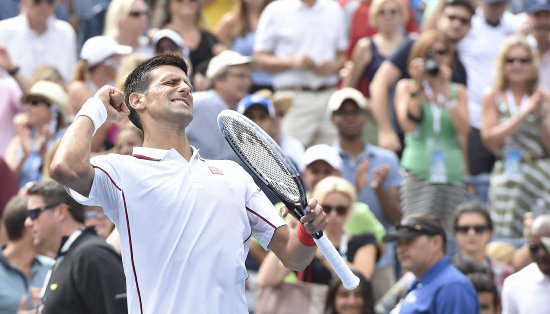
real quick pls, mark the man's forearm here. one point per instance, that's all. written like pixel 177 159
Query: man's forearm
pixel 71 161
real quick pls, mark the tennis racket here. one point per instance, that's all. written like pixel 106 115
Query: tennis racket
pixel 264 157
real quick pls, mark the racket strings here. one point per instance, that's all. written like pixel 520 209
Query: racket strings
pixel 263 159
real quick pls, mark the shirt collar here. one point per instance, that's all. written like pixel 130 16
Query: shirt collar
pixel 434 271
pixel 157 154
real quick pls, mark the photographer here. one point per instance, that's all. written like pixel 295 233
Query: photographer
pixel 433 113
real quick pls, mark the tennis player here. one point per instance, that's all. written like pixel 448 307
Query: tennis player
pixel 185 223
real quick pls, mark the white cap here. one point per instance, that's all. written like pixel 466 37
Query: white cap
pixel 322 152
pixel 225 59
pixel 339 96
pixel 167 33
pixel 52 92
pixel 99 48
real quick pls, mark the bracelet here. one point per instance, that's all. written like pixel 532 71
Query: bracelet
pixel 413 118
pixel 13 71
pixel 94 109
pixel 304 237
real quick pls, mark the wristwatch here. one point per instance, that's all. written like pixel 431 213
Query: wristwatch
pixel 13 71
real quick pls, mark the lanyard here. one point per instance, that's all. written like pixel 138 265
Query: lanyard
pixel 512 106
pixel 434 106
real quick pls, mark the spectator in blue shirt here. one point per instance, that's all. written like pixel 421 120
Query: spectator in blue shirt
pixel 439 287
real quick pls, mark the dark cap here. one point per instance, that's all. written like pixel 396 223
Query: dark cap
pixel 415 227
pixel 534 6
pixel 465 3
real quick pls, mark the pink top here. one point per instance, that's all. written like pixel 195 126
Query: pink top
pixel 10 105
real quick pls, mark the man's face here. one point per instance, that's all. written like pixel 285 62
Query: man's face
pixel 261 117
pixel 44 227
pixel 415 254
pixel 486 303
pixel 455 22
pixel 349 120
pixel 493 11
pixel 169 96
pixel 317 171
pixel 540 23
pixel 540 255
pixel 236 84
pixel 39 11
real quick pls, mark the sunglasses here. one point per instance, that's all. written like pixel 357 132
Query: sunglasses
pixel 36 102
pixel 50 2
pixel 461 19
pixel 340 210
pixel 391 12
pixel 110 63
pixel 518 60
pixel 173 47
pixel 441 52
pixel 478 229
pixel 35 212
pixel 137 14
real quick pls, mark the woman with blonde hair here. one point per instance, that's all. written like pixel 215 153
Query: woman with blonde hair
pixel 515 127
pixel 184 16
pixel 433 113
pixel 388 17
pixel 126 22
pixel 337 196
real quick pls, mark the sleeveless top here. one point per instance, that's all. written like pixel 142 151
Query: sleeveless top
pixel 375 62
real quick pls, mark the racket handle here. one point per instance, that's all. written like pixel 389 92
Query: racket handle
pixel 349 280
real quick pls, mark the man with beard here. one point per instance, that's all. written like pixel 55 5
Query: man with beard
pixel 527 290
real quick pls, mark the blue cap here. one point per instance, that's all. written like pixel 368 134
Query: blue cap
pixel 534 6
pixel 254 99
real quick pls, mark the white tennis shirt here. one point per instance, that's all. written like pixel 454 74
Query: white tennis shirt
pixel 185 228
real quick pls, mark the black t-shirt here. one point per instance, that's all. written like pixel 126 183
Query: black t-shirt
pixel 204 49
pixel 400 58
pixel 316 272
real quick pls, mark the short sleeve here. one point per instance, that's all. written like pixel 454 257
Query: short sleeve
pixel 263 217
pixel 264 40
pixel 359 241
pixel 106 188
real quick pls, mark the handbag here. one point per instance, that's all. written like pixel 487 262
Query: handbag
pixel 291 298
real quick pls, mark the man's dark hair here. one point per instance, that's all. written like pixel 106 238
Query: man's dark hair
pixel 483 283
pixel 54 193
pixel 467 264
pixel 139 80
pixel 15 214
pixel 473 208
pixel 463 3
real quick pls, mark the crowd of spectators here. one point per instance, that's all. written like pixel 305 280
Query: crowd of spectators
pixel 421 127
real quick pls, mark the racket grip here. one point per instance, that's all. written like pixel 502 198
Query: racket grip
pixel 349 280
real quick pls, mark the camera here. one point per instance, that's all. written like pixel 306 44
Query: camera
pixel 431 65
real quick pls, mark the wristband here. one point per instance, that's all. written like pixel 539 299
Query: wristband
pixel 304 237
pixel 94 109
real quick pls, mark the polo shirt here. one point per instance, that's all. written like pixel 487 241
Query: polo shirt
pixel 442 289
pixel 185 228
pixel 14 284
pixel 28 49
pixel 290 28
pixel 526 292
pixel 478 52
pixel 377 157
